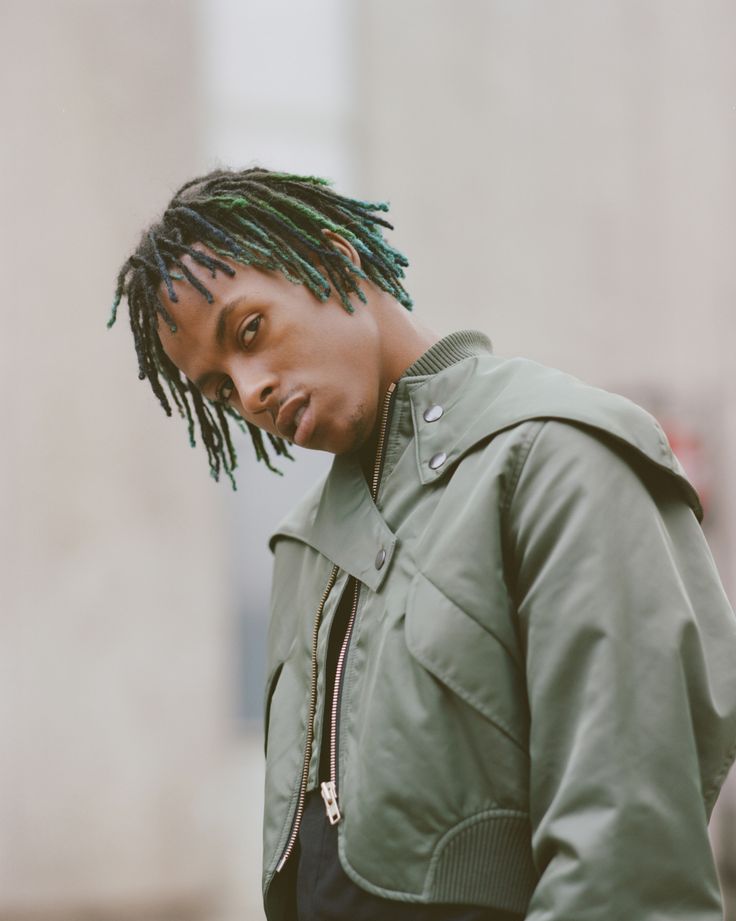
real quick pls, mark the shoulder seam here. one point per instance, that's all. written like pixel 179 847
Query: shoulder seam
pixel 524 450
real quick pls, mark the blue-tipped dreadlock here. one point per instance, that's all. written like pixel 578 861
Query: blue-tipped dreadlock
pixel 274 221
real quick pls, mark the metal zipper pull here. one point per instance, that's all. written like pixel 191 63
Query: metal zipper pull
pixel 329 795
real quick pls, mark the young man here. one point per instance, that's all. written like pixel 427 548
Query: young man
pixel 501 679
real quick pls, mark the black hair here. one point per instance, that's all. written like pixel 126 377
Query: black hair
pixel 271 220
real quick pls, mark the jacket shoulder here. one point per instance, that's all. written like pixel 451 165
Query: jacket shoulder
pixel 495 394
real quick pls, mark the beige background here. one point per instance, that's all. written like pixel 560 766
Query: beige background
pixel 561 176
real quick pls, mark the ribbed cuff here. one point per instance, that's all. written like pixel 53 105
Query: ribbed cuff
pixel 489 862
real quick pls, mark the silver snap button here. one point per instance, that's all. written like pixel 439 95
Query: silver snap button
pixel 380 559
pixel 437 460
pixel 433 413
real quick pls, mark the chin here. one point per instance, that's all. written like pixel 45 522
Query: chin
pixel 344 437
pixel 357 433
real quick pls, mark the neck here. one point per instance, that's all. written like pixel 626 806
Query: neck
pixel 403 339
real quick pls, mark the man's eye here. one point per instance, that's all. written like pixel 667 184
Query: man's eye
pixel 225 391
pixel 249 331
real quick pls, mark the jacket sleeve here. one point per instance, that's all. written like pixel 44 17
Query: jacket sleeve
pixel 630 646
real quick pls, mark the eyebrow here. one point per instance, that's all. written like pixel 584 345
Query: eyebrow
pixel 222 320
pixel 220 330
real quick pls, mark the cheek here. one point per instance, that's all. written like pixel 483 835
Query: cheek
pixel 357 364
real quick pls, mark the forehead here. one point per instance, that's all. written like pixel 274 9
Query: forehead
pixel 243 280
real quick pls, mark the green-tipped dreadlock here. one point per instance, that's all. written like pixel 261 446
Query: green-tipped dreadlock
pixel 256 217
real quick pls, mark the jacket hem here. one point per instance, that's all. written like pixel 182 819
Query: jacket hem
pixel 485 860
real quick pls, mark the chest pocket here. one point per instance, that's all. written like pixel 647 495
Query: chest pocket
pixel 467 658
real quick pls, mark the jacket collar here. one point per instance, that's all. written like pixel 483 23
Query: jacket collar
pixel 479 395
pixel 466 343
pixel 343 523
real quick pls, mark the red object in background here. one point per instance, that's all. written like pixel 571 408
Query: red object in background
pixel 690 451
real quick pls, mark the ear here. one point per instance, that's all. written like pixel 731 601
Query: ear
pixel 340 243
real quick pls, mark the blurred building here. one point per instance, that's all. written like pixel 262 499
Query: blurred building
pixel 560 176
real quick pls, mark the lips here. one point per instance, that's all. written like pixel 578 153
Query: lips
pixel 290 415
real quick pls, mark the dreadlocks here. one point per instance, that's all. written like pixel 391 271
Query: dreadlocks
pixel 256 217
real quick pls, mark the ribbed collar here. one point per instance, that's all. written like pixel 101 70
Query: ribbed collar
pixel 464 343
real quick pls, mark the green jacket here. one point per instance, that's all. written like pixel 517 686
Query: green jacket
pixel 539 701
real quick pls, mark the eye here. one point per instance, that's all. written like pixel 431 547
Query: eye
pixel 225 391
pixel 249 331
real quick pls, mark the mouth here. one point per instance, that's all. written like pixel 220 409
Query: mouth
pixel 290 416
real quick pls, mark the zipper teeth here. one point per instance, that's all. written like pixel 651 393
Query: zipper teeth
pixel 310 724
pixel 336 687
pixel 378 463
pixel 381 440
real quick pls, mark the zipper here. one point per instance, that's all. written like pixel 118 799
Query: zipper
pixel 310 724
pixel 329 788
pixel 378 465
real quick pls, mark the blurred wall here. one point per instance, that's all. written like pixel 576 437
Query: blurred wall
pixel 113 688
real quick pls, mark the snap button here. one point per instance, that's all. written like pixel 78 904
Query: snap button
pixel 380 558
pixel 433 413
pixel 437 460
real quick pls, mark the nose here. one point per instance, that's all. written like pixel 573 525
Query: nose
pixel 257 389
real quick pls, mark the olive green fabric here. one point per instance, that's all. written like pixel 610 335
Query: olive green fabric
pixel 539 703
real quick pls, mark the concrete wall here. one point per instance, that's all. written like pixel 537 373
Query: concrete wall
pixel 113 693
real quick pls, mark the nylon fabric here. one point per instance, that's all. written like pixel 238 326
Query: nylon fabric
pixel 539 701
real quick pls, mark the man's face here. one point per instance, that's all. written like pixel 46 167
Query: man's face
pixel 296 367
